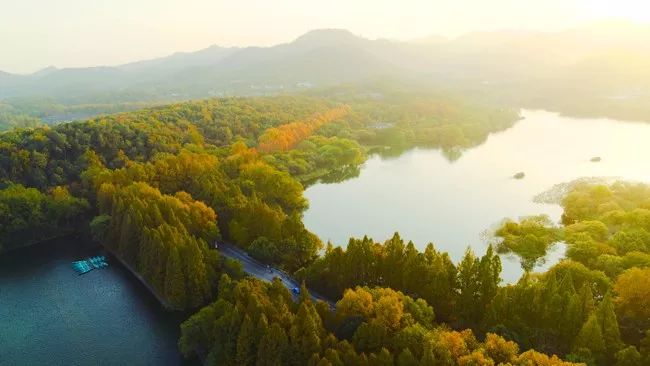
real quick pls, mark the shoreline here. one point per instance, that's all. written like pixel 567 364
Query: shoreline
pixel 151 290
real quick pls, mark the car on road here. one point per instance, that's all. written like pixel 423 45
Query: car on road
pixel 296 290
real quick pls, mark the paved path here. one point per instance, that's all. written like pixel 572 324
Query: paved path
pixel 261 271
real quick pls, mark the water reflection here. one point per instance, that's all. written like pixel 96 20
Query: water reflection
pixel 449 199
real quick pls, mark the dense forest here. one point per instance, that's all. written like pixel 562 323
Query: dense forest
pixel 255 323
pixel 604 278
pixel 158 186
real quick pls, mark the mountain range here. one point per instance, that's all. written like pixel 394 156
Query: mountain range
pixel 609 58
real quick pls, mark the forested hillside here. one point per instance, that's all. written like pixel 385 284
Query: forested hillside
pixel 159 186
pixel 231 168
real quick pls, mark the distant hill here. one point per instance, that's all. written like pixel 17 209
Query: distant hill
pixel 509 66
pixel 181 60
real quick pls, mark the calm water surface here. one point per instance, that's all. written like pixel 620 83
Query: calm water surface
pixel 51 316
pixel 427 198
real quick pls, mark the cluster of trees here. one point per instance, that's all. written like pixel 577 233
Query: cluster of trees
pixel 255 323
pixel 530 239
pixel 260 207
pixel 459 293
pixel 591 306
pixel 576 311
pixel 286 136
pixel 607 229
pixel 28 215
pixel 320 158
pixel 401 120
pixel 11 118
pixel 34 112
pixel 164 237
pixel 570 310
pixel 49 156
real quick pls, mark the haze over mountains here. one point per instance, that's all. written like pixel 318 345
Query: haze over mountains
pixel 605 60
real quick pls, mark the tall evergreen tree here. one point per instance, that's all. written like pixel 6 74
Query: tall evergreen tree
pixel 246 343
pixel 406 358
pixel 591 338
pixel 305 333
pixel 273 347
pixel 468 283
pixel 174 282
pixel 609 325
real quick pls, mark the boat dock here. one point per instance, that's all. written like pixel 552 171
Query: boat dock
pixel 85 266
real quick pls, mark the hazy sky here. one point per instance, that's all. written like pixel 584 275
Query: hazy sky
pixel 71 33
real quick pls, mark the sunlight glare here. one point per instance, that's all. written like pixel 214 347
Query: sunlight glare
pixel 635 10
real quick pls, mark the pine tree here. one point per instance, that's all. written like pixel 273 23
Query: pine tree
pixel 196 279
pixel 428 358
pixel 468 284
pixel 246 343
pixel 609 325
pixel 261 329
pixel 591 338
pixel 305 333
pixel 572 320
pixel 383 358
pixel 489 271
pixel 272 350
pixel 174 281
pixel 333 356
pixel 406 358
pixel 587 300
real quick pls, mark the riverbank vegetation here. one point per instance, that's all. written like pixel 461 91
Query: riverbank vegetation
pixel 603 281
pixel 28 216
pixel 159 186
pixel 255 323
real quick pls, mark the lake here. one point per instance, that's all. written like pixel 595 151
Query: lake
pixel 51 316
pixel 427 198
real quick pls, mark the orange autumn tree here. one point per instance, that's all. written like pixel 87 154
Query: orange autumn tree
pixel 287 136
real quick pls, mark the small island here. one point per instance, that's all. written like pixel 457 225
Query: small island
pixel 595 159
pixel 519 175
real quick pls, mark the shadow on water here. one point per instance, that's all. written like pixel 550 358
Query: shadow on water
pixel 50 315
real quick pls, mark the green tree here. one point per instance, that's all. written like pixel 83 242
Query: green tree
pixel 305 333
pixel 591 338
pixel 174 282
pixel 273 347
pixel 609 325
pixel 628 356
pixel 406 358
pixel 246 343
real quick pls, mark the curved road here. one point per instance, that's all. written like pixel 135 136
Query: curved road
pixel 260 271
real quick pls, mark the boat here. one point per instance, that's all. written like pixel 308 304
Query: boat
pixel 85 266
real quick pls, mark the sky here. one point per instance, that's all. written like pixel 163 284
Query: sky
pixel 78 33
